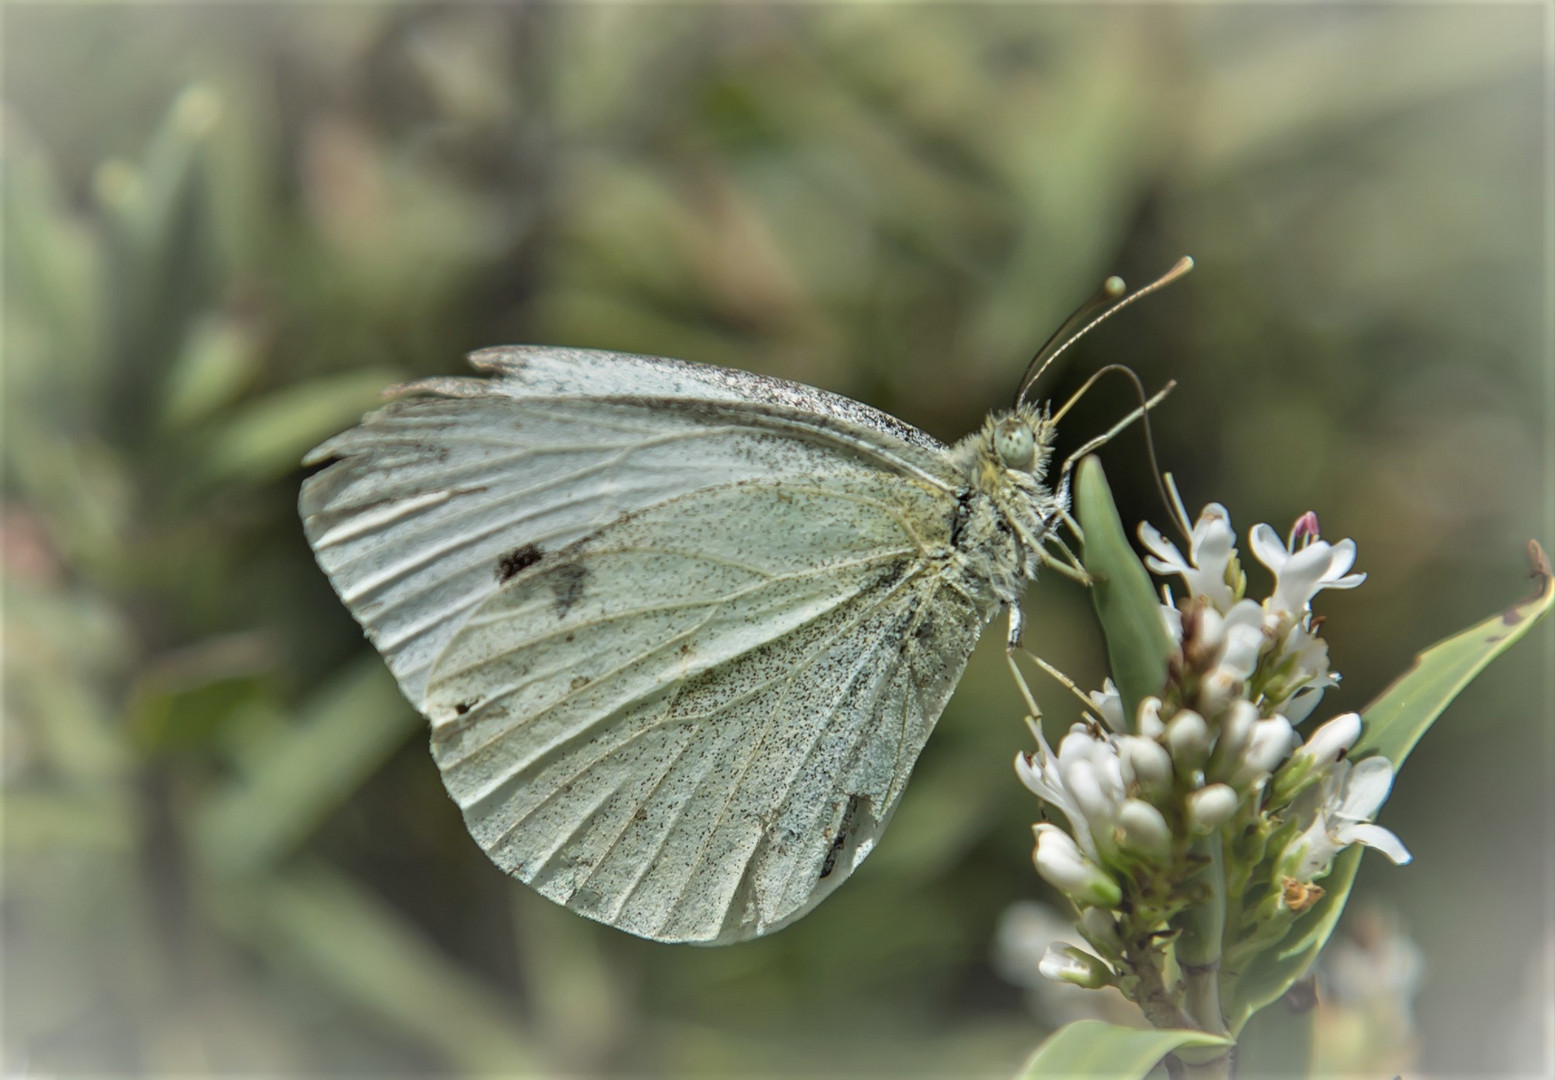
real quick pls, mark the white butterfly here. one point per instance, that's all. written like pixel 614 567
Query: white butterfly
pixel 681 632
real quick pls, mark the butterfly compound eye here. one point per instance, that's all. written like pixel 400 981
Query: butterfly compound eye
pixel 1015 445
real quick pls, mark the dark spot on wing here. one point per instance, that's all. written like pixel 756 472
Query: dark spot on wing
pixel 465 706
pixel 517 560
pixel 579 682
pixel 891 574
pixel 567 583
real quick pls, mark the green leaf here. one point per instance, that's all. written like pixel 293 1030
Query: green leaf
pixel 268 437
pixel 219 358
pixel 1394 723
pixel 1126 601
pixel 1391 725
pixel 160 260
pixel 1094 1048
pixel 51 272
pixel 299 776
pixel 317 920
pixel 1277 1042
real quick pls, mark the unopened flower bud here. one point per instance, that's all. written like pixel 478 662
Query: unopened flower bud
pixel 1146 762
pixel 1060 862
pixel 1066 963
pixel 1272 740
pixel 1236 731
pixel 1084 784
pixel 1144 828
pixel 1187 737
pixel 1149 719
pixel 1109 706
pixel 1239 656
pixel 1219 689
pixel 1332 739
pixel 1211 807
pixel 1101 930
pixel 1308 764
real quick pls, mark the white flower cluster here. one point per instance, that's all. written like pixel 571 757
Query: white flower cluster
pixel 1219 748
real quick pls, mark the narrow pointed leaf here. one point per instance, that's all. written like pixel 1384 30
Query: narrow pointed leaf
pixel 1126 602
pixel 1392 725
pixel 1093 1048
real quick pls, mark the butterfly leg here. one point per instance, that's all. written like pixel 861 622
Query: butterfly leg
pixel 1017 628
pixel 1068 565
pixel 1020 682
pixel 1074 526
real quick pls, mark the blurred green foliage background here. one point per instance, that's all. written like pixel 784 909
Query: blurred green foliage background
pixel 227 227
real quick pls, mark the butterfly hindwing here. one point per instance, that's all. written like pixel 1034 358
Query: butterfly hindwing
pixel 693 723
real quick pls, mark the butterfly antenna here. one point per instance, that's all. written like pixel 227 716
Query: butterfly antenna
pixel 1172 503
pixel 1106 301
pixel 1109 292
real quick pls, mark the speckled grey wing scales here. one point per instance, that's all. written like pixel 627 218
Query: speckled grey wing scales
pixel 694 724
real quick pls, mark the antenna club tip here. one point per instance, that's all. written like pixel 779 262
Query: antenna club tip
pixel 1184 264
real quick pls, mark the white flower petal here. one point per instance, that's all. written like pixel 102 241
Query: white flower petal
pixel 1375 837
pixel 1342 559
pixel 1301 577
pixel 1267 547
pixel 1149 717
pixel 1299 707
pixel 1164 557
pixel 1365 789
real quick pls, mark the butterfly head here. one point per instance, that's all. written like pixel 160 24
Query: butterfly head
pixel 1014 447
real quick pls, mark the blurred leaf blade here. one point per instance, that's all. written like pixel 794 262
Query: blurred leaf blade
pixel 317 920
pixel 1126 602
pixel 296 777
pixel 1396 720
pixel 218 360
pixel 267 437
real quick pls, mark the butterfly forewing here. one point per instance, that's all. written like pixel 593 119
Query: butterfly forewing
pixel 436 500
pixel 693 723
pixel 681 631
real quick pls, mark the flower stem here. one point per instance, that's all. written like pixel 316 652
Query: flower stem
pixel 1201 930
